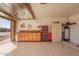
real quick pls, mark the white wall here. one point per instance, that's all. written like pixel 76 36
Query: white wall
pixel 43 21
pixel 33 23
pixel 74 35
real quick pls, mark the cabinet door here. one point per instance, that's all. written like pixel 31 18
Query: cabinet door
pixel 19 37
pixel 44 36
pixel 30 37
pixel 25 37
pixel 34 37
pixel 38 37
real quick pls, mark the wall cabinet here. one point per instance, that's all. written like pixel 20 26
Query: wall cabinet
pixel 29 36
pixel 56 32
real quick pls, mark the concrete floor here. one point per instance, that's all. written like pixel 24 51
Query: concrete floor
pixel 6 46
pixel 43 49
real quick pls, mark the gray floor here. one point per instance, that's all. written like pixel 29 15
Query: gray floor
pixel 43 49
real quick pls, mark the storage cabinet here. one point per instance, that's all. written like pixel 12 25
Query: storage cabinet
pixel 44 28
pixel 44 33
pixel 44 36
pixel 29 36
pixel 56 32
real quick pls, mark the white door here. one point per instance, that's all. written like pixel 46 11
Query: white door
pixel 56 32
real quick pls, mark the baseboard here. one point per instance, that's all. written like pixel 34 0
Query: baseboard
pixel 72 44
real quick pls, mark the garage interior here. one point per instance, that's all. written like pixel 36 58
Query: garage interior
pixel 40 29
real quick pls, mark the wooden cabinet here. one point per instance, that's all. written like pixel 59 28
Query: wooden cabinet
pixel 19 36
pixel 38 36
pixel 25 36
pixel 29 36
pixel 56 32
pixel 44 35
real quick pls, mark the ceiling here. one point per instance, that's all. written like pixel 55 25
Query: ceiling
pixel 55 9
pixel 47 10
pixel 17 10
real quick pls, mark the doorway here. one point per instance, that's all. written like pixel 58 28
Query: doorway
pixel 5 25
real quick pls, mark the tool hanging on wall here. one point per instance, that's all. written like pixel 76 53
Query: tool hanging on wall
pixel 66 31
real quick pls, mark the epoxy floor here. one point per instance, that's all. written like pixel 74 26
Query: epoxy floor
pixel 43 49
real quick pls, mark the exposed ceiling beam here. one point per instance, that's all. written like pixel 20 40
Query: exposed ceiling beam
pixel 9 15
pixel 28 5
pixel 5 17
pixel 6 13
